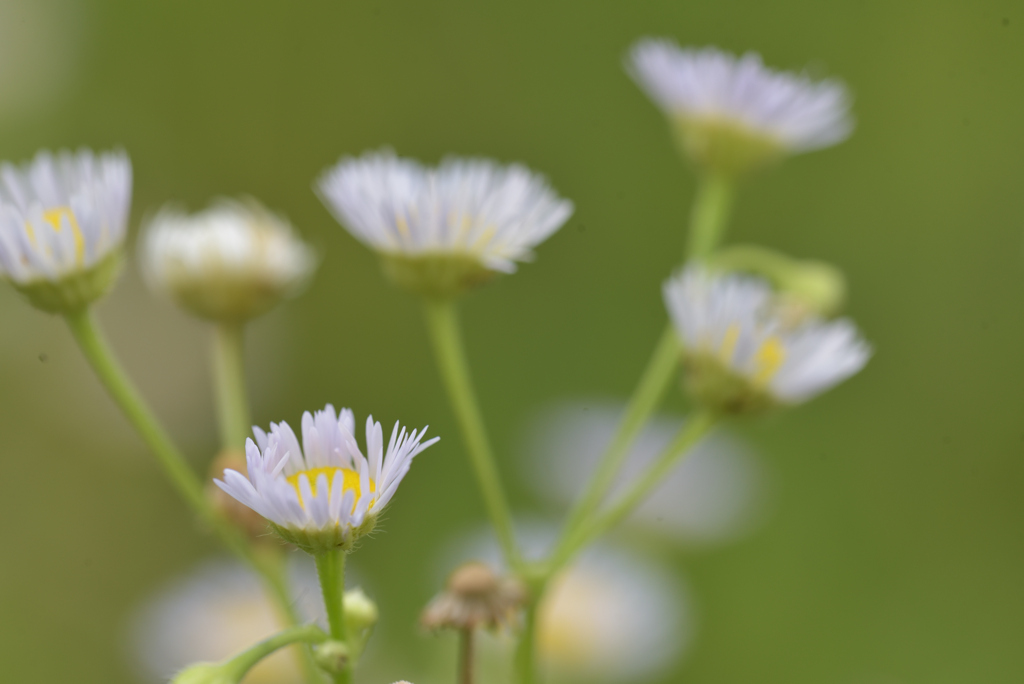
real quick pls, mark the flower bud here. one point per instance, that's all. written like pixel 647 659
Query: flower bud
pixel 360 611
pixel 230 263
pixel 331 656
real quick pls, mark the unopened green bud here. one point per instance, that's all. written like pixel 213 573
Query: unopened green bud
pixel 331 656
pixel 360 611
pixel 818 287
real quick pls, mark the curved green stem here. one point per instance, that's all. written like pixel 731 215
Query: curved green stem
pixel 229 385
pixel 443 323
pixel 97 352
pixel 689 435
pixel 653 383
pixel 710 213
pixel 238 666
pixel 330 568
pixel 87 333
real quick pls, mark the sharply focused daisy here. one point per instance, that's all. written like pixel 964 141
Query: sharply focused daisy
pixel 734 114
pixel 441 230
pixel 325 494
pixel 62 222
pixel 232 261
pixel 743 353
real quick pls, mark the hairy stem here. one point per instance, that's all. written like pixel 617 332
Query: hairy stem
pixel 330 568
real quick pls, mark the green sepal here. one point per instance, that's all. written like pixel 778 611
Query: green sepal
pixel 338 537
pixel 714 386
pixel 726 147
pixel 436 275
pixel 76 291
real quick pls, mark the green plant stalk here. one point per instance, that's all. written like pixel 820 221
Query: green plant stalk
pixel 229 385
pixel 97 352
pixel 710 214
pixel 653 384
pixel 238 666
pixel 526 649
pixel 690 434
pixel 330 569
pixel 443 324
pixel 707 225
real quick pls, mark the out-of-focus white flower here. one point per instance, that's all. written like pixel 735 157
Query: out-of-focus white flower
pixel 742 353
pixel 441 230
pixel 325 494
pixel 714 495
pixel 611 616
pixel 213 614
pixel 62 222
pixel 232 261
pixel 735 114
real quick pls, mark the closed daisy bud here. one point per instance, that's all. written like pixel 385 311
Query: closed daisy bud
pixel 325 494
pixel 231 262
pixel 62 223
pixel 474 597
pixel 440 231
pixel 732 115
pixel 742 353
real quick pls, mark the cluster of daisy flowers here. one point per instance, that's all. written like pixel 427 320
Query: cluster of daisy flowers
pixel 440 231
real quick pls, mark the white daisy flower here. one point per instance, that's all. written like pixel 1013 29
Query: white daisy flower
pixel 443 229
pixel 735 113
pixel 233 261
pixel 743 353
pixel 63 219
pixel 325 494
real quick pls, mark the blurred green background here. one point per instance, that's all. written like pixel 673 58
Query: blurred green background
pixel 893 553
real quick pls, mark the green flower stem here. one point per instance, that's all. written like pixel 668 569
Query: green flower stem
pixel 97 352
pixel 229 385
pixel 443 323
pixel 655 380
pixel 89 337
pixel 695 428
pixel 526 650
pixel 238 666
pixel 330 568
pixel 710 214
pixel 270 564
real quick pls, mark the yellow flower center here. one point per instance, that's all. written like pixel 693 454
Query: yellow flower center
pixel 53 217
pixel 350 480
pixel 768 358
